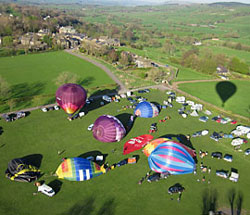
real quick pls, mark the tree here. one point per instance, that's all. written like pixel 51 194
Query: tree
pixel 237 66
pixel 11 103
pixel 66 77
pixel 113 56
pixel 125 58
pixel 4 88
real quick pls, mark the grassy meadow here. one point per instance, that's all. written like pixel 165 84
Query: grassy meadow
pixel 117 192
pixel 238 102
pixel 32 77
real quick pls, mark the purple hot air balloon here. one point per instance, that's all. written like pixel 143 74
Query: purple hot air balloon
pixel 71 97
pixel 108 129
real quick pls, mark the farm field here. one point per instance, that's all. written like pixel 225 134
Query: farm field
pixel 44 134
pixel 238 102
pixel 34 75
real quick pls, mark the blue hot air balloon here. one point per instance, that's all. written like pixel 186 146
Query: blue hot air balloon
pixel 171 157
pixel 146 110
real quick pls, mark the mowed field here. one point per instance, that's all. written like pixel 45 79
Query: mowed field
pixel 34 75
pixel 117 192
pixel 237 101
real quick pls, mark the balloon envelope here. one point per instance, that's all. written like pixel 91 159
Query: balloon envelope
pixel 71 97
pixel 108 129
pixel 136 143
pixel 171 157
pixel 152 145
pixel 146 110
pixel 78 169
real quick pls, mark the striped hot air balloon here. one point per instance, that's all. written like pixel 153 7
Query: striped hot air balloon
pixel 146 110
pixel 171 157
pixel 108 129
pixel 71 97
pixel 78 169
pixel 152 145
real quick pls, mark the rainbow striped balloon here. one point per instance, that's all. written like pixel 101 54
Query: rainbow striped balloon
pixel 171 157
pixel 78 169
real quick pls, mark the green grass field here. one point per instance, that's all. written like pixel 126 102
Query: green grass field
pixel 118 191
pixel 35 74
pixel 238 102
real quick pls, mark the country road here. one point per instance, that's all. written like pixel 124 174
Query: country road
pixel 104 68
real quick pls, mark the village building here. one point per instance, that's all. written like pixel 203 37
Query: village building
pixel 67 30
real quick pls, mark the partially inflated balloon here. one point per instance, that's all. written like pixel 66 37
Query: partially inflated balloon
pixel 171 157
pixel 108 129
pixel 71 97
pixel 78 169
pixel 152 145
pixel 146 110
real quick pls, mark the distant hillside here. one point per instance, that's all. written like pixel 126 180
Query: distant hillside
pixel 229 4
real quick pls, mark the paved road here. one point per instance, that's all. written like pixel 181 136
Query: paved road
pixel 122 87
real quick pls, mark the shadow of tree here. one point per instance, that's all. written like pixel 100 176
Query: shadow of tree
pixel 104 92
pixel 231 198
pixel 84 207
pixel 108 208
pixel 24 91
pixel 239 203
pixel 209 201
pixel 1 130
pixel 86 81
pixel 55 185
pixel 94 154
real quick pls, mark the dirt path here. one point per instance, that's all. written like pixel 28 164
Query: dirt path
pixel 122 87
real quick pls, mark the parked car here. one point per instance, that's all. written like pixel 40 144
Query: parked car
pixel 90 127
pixel 216 136
pixel 6 117
pixel 154 177
pixel 177 188
pixel 217 155
pixel 247 151
pixel 153 128
pixel 44 109
pixel 222 173
pixel 228 158
pixel 203 118
pixel 56 107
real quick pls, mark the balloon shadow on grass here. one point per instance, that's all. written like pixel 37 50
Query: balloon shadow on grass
pixel 225 90
pixel 209 201
pixel 92 155
pixel 180 138
pixel 55 185
pixel 33 160
pixel 1 130
pixel 127 120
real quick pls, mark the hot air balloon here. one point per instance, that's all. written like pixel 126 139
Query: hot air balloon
pixel 71 97
pixel 146 110
pixel 78 169
pixel 108 129
pixel 136 143
pixel 152 145
pixel 171 157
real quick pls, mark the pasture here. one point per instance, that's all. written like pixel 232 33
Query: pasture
pixel 32 77
pixel 238 102
pixel 117 192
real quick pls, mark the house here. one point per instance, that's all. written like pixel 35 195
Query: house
pixel 197 43
pixel 67 30
pixel 43 32
pixel 221 70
